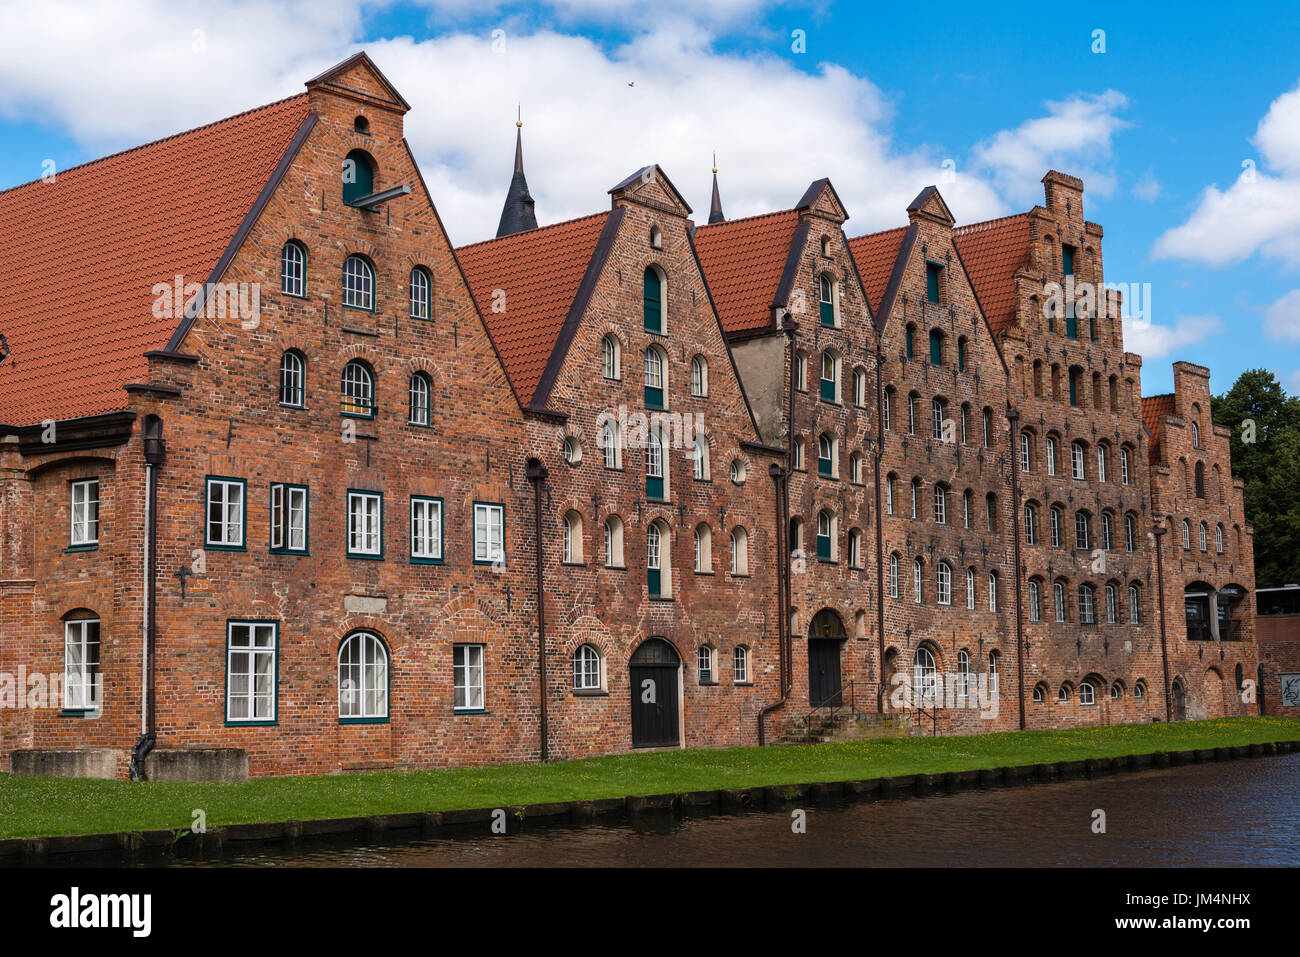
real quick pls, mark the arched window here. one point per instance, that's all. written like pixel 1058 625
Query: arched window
pixel 358 176
pixel 421 293
pixel 1201 539
pixel 961 354
pixel 965 508
pixel 571 448
pixel 1139 690
pixel 1187 534
pixel 1040 694
pixel 938 412
pixel 613 542
pixel 1134 605
pixel 1034 600
pixel 1055 521
pixel 1196 436
pixel 917 593
pixel 700 459
pixel 699 376
pixel 657 560
pixel 1116 691
pixel 943 583
pixel 572 538
pixel 995 665
pixel 993 591
pixel 358 284
pixel 419 404
pixel 361 125
pixel 739 471
pixel 988 428
pixel 940 504
pixel 916 498
pixel 1087 606
pixel 358 390
pixel 936 347
pixel 859 388
pixel 826 300
pixel 1058 599
pixel 1063 695
pixel 1051 455
pixel 363 678
pixel 586 669
pixel 1087 694
pixel 654 467
pixel 909 341
pixel 1218 539
pixel 965 423
pixel 1130 533
pixel 1031 524
pixel 739 551
pixel 1101 462
pixel 826 455
pixel 1077 466
pixel 798 454
pixel 705 663
pixel 830 383
pixel 611 365
pixel 293 378
pixel 1026 452
pixel 925 676
pixel 611 445
pixel 1107 531
pixel 703 548
pixel 82 684
pixel 1200 480
pixel 825 535
pixel 740 665
pixel 991 512
pixel 893 576
pixel 855 548
pixel 656 237
pixel 911 413
pixel 888 410
pixel 1082 529
pixel 652 305
pixel 856 468
pixel 1125 476
pixel 970 589
pixel 655 380
pixel 1112 604
pixel 293 269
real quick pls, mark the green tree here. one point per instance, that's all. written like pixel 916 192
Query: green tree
pixel 1265 442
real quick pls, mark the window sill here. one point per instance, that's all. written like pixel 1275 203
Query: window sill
pixel 590 693
pixel 469 711
pixel 740 574
pixel 209 547
pixel 663 598
pixel 416 560
pixel 345 721
pixel 617 568
pixel 703 574
pixel 80 713
pixel 709 684
pixel 369 558
pixel 743 684
pixel 295 408
pixel 573 564
pixel 358 415
pixel 90 547
pixel 292 552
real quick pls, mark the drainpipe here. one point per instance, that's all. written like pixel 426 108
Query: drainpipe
pixel 790 327
pixel 880 534
pixel 1159 532
pixel 537 474
pixel 1013 418
pixel 782 613
pixel 155 450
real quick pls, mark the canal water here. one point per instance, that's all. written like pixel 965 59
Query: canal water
pixel 1226 814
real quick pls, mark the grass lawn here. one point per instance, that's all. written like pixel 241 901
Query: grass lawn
pixel 43 807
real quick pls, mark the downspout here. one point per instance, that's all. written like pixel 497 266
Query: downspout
pixel 1013 417
pixel 155 450
pixel 880 536
pixel 1159 532
pixel 778 480
pixel 537 474
pixel 790 327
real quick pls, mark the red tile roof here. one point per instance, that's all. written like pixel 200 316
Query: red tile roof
pixel 87 248
pixel 992 251
pixel 539 271
pixel 1154 406
pixel 875 255
pixel 743 260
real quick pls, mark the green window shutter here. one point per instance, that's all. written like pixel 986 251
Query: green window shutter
pixel 654 398
pixel 358 177
pixel 654 487
pixel 828 390
pixel 909 343
pixel 961 356
pixel 1074 396
pixel 824 547
pixel 653 302
pixel 652 579
pixel 1067 260
pixel 828 313
pixel 932 281
pixel 936 349
pixel 1071 322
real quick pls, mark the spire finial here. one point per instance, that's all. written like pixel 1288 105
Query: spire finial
pixel 519 115
pixel 715 162
pixel 715 208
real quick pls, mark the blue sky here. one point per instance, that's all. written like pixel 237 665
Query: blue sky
pixel 882 100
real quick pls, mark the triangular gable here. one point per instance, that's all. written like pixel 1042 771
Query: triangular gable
pixel 820 197
pixel 651 186
pixel 357 76
pixel 527 285
pixel 930 203
pixel 88 247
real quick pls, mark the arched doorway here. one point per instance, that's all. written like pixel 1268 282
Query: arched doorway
pixel 826 636
pixel 1214 705
pixel 925 678
pixel 1179 696
pixel 655 670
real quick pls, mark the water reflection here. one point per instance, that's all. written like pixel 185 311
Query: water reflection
pixel 1235 813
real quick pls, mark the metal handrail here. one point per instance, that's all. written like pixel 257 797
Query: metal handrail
pixel 833 703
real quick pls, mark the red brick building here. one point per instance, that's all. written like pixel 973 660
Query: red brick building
pixel 289 474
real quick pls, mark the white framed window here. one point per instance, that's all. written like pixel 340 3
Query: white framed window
pixel 1051 455
pixel 572 538
pixel 700 459
pixel 81 681
pixel 1082 530
pixel 467 678
pixel 293 270
pixel 940 505
pixel 1130 533
pixel 1112 605
pixel 699 376
pixel 859 388
pixel 1035 601
pixel 925 676
pixel 703 548
pixel 943 583
pixel 830 384
pixel 426 529
pixel 994 664
pixel 889 494
pixel 586 669
pixel 988 429
pixel 970 589
pixel 1187 534
pixel 1201 538
pixel 365 524
pixel 993 591
pixel 893 576
pixel 916 495
pixel 1031 525
pixel 292 379
pixel 888 409
pixel 965 509
pixel 251 672
pixel 1123 466
pixel 419 411
pixel 225 513
pixel 358 283
pixel 740 665
pixel 613 542
pixel 611 446
pixel 1134 605
pixel 937 413
pixel 704 662
pixel 421 293
pixel 611 358
pixel 288 518
pixel 963 674
pixel 1087 695
pixel 85 513
pixel 739 551
pixel 855 548
pixel 358 390
pixel 363 678
pixel 1218 539
pixel 1058 597
pixel 1054 519
pixel 801 372
pixel 1101 463
pixel 1026 452
pixel 1077 470
pixel 489 534
pixel 911 414
pixel 916 581
pixel 1087 609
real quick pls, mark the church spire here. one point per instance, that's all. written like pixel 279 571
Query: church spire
pixel 715 208
pixel 517 214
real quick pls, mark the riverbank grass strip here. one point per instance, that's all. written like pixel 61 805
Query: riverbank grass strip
pixel 49 807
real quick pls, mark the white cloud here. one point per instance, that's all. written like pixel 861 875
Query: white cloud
pixel 1152 341
pixel 1072 137
pixel 121 80
pixel 1259 212
pixel 1282 318
pixel 1147 188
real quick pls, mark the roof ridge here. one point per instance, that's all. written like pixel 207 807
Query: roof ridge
pixel 879 232
pixel 744 219
pixel 161 139
pixel 984 224
pixel 531 232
